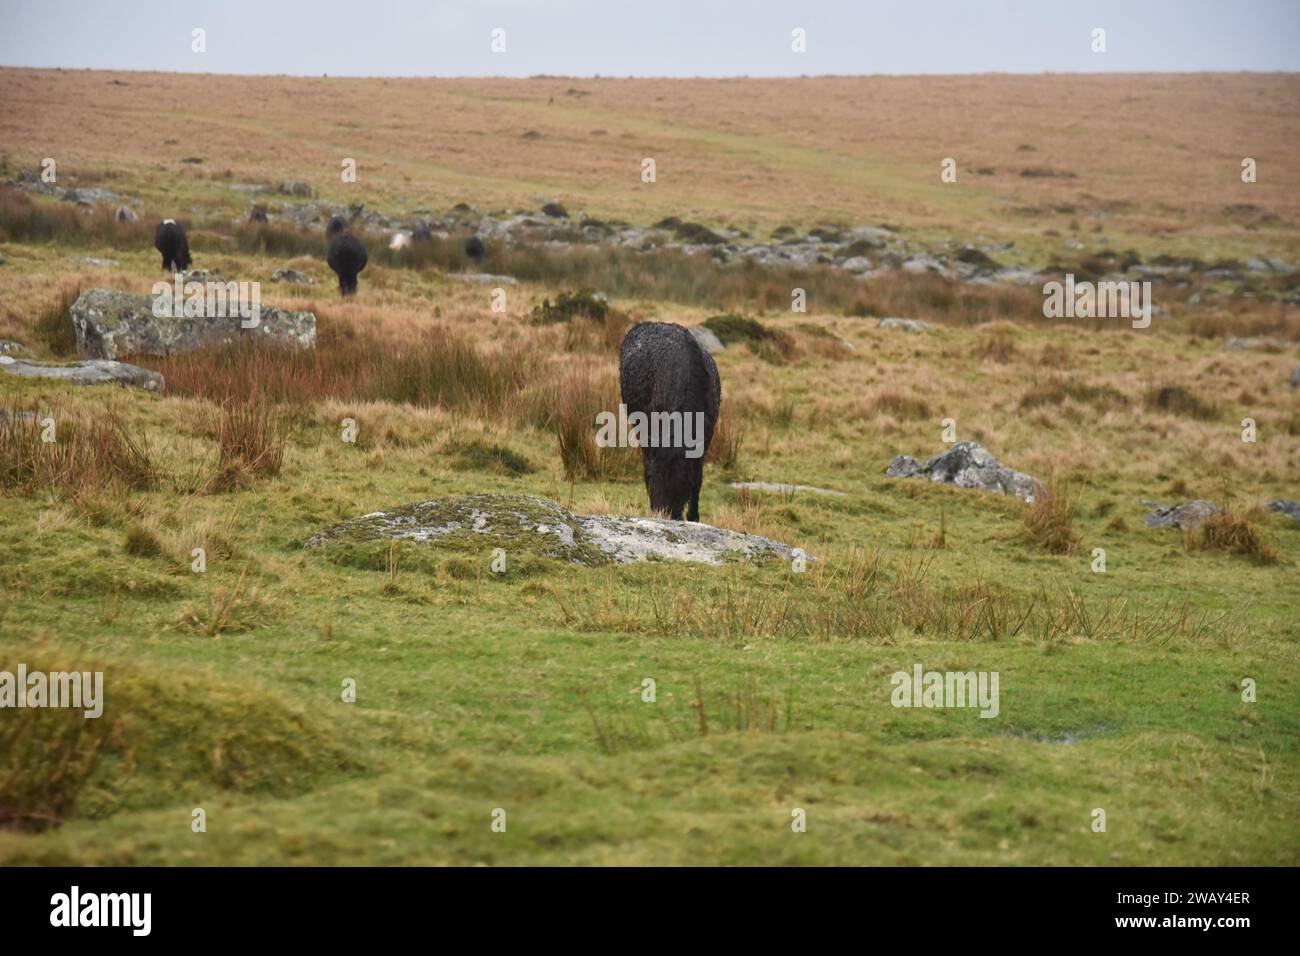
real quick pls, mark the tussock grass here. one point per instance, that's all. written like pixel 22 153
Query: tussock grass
pixel 900 405
pixel 431 367
pixel 1178 400
pixel 1057 391
pixel 231 609
pixel 772 345
pixel 728 438
pixel 46 759
pixel 582 304
pixel 88 454
pixel 53 325
pixel 141 542
pixel 572 405
pixel 858 598
pixel 1049 521
pixel 252 438
pixel 997 342
pixel 1238 534
pixel 500 459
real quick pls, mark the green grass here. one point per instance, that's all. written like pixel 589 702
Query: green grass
pixel 473 692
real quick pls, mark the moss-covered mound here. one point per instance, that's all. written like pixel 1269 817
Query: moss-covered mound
pixel 161 738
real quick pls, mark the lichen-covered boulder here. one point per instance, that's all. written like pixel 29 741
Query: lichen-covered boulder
pixel 111 324
pixel 523 524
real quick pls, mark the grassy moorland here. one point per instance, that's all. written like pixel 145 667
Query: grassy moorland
pixel 1119 690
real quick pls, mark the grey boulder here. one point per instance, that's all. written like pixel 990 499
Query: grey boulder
pixel 89 195
pixel 708 340
pixel 111 324
pixel 967 464
pixel 1188 515
pixel 1285 506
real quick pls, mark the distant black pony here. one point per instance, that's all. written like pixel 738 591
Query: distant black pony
pixel 663 371
pixel 475 249
pixel 346 256
pixel 169 239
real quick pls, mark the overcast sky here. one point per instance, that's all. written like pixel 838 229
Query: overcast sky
pixel 650 37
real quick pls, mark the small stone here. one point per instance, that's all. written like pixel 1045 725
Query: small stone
pixel 1285 506
pixel 907 325
pixel 784 489
pixel 91 372
pixel 1188 515
pixel 483 278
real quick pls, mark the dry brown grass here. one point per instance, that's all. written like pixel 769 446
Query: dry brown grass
pixel 900 405
pixel 24 220
pixel 53 325
pixel 860 148
pixel 252 437
pixel 571 405
pixel 1049 521
pixel 1180 400
pixel 728 437
pixel 1234 534
pixel 425 366
pixel 86 454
